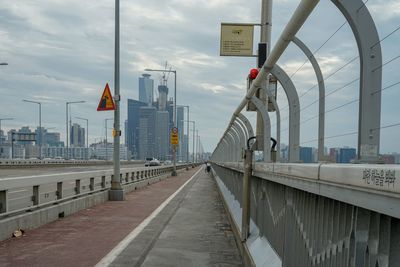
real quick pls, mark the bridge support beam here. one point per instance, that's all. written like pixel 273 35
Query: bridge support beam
pixel 248 171
pixel 266 138
pixel 369 50
pixel 294 111
pixel 321 102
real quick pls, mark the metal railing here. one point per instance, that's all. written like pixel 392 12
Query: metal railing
pixel 20 194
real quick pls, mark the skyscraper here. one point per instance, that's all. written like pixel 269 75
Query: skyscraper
pixel 147 132
pixel 146 89
pixel 162 97
pixel 77 136
pixel 162 135
pixel 132 130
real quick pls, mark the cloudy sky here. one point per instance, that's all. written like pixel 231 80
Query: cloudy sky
pixel 61 51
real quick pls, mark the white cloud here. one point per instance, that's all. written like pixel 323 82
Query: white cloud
pixel 61 50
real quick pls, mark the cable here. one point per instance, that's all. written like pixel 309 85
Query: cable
pixel 330 93
pixel 387 126
pixel 330 137
pixel 381 66
pixel 330 110
pixel 387 87
pixel 380 41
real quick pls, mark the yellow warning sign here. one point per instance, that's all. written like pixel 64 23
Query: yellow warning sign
pixel 106 100
pixel 174 138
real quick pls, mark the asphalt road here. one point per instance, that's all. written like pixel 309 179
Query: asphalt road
pixel 29 171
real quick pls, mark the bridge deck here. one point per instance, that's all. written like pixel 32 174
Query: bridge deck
pixel 191 229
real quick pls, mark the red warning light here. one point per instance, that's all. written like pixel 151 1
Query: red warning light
pixel 253 74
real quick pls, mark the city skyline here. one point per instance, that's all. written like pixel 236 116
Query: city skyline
pixel 70 65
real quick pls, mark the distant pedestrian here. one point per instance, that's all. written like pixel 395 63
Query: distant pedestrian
pixel 208 167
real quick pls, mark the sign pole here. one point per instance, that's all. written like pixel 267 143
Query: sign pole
pixel 116 192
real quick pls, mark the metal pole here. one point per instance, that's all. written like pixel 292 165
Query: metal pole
pixel 248 160
pixel 299 17
pixel 87 134
pixel 87 137
pixel 187 142
pixel 40 130
pixel 194 131
pixel 116 192
pixel 12 145
pixel 66 128
pixel 106 141
pixel 175 125
pixel 40 125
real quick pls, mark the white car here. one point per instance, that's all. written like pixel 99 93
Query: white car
pixel 155 162
pixel 152 162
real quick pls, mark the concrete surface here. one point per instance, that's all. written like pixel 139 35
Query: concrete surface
pixel 192 230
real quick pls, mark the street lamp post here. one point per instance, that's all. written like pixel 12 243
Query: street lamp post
pixel 110 119
pixel 194 130
pixel 87 133
pixel 174 115
pixel 66 123
pixel 187 145
pixel 40 124
pixel 3 64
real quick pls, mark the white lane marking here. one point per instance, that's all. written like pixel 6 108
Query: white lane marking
pixel 113 254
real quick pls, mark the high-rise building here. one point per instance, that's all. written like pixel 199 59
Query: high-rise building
pixel 162 97
pixel 146 89
pixel 162 135
pixel 147 132
pixel 306 154
pixel 132 128
pixel 77 136
pixel 346 155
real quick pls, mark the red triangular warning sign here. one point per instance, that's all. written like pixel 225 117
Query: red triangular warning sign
pixel 106 100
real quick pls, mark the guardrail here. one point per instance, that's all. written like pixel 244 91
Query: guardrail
pixel 316 214
pixel 31 201
pixel 50 162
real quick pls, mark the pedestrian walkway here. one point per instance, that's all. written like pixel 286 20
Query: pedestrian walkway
pixel 155 226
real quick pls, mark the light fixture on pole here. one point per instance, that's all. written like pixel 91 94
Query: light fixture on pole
pixel 40 138
pixel 187 145
pixel 3 119
pixel 194 130
pixel 106 142
pixel 66 124
pixel 87 133
pixel 174 115
pixel 3 64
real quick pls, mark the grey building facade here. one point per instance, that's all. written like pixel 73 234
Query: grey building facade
pixel 162 135
pixel 146 89
pixel 147 132
pixel 132 127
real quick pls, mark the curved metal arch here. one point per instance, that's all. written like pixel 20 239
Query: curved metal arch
pixel 243 127
pixel 294 111
pixel 247 123
pixel 321 102
pixel 278 123
pixel 225 150
pixel 232 145
pixel 369 49
pixel 238 146
pixel 236 126
pixel 267 127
